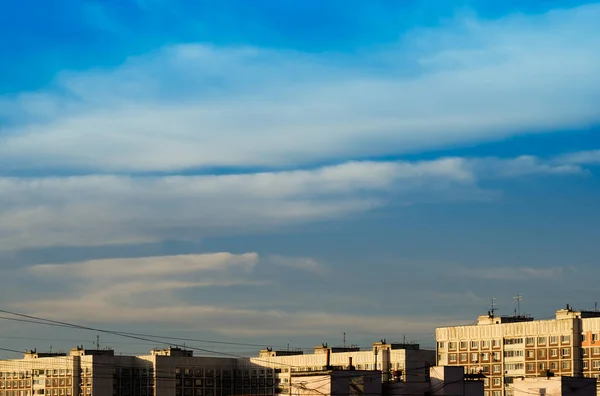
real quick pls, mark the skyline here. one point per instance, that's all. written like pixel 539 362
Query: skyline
pixel 289 171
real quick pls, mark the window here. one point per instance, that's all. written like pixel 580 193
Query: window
pixel 541 353
pixel 554 352
pixel 474 344
pixel 566 365
pixel 509 354
pixel 584 352
pixel 452 345
pixel 530 340
pixel 530 353
pixel 485 356
pixel 486 382
pixel 565 339
pixel 514 366
pixel 553 366
pixel 452 357
pixel 513 341
pixel 594 337
pixel 530 367
pixel 463 357
pixel 595 351
pixel 586 365
pixel 565 352
pixel 542 366
pixel 496 393
pixel 485 344
pixel 553 339
pixel 541 340
pixel 583 337
pixel 463 345
pixel 496 343
pixel 596 364
pixel 497 381
pixel 441 345
pixel 474 357
pixel 496 368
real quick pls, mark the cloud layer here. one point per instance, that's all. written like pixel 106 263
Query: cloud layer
pixel 102 210
pixel 194 106
pixel 144 290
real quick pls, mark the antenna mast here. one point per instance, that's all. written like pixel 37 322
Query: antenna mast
pixel 97 342
pixel 518 298
pixel 344 339
pixel 493 309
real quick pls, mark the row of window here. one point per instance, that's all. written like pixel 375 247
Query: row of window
pixel 531 354
pixel 565 365
pixel 496 343
pixel 239 383
pixel 210 392
pixel 595 364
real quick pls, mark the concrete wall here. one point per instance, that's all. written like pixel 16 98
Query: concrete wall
pixel 555 386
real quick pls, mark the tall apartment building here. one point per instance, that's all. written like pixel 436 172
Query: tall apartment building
pixel 508 347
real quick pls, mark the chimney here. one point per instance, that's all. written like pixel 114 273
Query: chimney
pixel 350 367
pixel 328 359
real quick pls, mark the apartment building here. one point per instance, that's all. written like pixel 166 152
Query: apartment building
pixel 163 372
pixel 394 360
pixel 508 347
pixel 177 372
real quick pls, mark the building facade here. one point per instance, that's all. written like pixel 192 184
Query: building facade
pixel 407 361
pixel 506 348
pixel 177 372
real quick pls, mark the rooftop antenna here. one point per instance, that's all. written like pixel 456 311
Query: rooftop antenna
pixel 518 298
pixel 344 339
pixel 493 309
pixel 596 306
pixel 97 342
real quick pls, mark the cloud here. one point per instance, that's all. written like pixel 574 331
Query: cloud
pixel 299 263
pixel 522 274
pixel 591 157
pixel 231 321
pixel 194 106
pixel 155 267
pixel 145 291
pixel 100 210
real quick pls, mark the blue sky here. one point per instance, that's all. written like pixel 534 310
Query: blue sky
pixel 278 172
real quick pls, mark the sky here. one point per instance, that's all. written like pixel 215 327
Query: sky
pixel 275 173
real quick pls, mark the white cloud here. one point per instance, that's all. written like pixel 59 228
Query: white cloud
pixel 193 106
pixel 101 210
pixel 119 269
pixel 143 291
